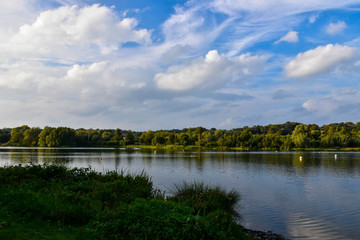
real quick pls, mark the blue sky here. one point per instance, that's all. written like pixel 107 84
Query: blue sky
pixel 175 64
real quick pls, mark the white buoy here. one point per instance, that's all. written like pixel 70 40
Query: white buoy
pixel 300 158
pixel 335 156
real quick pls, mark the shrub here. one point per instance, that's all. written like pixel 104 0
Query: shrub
pixel 147 219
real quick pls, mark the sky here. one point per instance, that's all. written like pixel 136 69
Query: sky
pixel 165 64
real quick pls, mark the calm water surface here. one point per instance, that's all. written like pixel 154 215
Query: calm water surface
pixel 316 198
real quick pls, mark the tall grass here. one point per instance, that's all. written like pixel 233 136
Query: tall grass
pixel 205 198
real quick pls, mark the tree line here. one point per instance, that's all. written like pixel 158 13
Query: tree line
pixel 271 137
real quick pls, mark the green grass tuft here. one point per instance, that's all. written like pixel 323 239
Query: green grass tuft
pixel 206 199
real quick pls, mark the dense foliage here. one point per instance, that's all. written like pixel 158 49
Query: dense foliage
pixel 53 202
pixel 272 137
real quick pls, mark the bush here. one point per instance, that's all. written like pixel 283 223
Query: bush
pixel 66 196
pixel 147 219
pixel 159 219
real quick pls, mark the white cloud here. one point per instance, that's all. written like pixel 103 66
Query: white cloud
pixel 103 83
pixel 291 37
pixel 25 77
pixel 325 105
pixel 226 123
pixel 320 60
pixel 67 66
pixel 261 20
pixel 78 89
pixel 337 106
pixel 335 28
pixel 174 53
pixel 278 6
pixel 313 18
pixel 191 27
pixel 14 14
pixel 181 24
pixel 209 73
pixel 69 26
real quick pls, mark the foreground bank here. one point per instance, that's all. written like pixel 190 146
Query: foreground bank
pixel 54 202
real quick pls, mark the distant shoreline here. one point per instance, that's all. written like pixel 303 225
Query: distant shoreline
pixel 195 148
pixel 189 148
pixel 289 136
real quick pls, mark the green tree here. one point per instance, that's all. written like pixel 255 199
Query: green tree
pixel 255 141
pixel 209 139
pixel 328 139
pixel 118 135
pixel 146 137
pixel 31 137
pixel 301 136
pixel 159 138
pixel 244 139
pixel 273 141
pixel 287 144
pixel 106 136
pixel 17 135
pixel 42 136
pixel 5 135
pixel 82 137
pixel 61 137
pixel 130 138
pixel 183 139
pixel 197 134
pixel 170 138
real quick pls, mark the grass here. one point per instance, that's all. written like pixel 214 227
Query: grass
pixel 13 226
pixel 205 199
pixel 54 202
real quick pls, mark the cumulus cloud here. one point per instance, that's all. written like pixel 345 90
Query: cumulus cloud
pixel 320 60
pixel 291 37
pixel 64 65
pixel 79 90
pixel 325 105
pixel 103 83
pixel 68 26
pixel 335 28
pixel 209 73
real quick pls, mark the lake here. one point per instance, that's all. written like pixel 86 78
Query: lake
pixel 302 195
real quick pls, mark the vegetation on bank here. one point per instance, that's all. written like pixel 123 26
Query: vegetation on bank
pixel 54 202
pixel 287 136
